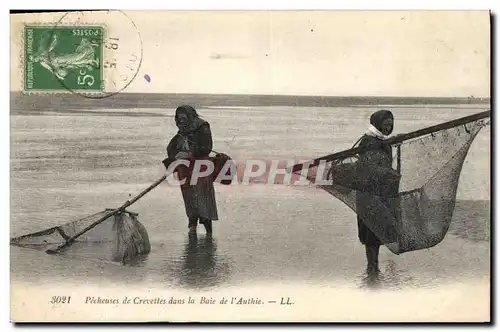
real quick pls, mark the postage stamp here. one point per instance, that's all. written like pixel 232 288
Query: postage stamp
pixel 59 58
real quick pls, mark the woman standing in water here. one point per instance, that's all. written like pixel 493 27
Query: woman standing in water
pixel 381 183
pixel 194 141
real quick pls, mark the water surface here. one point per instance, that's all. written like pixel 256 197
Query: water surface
pixel 68 166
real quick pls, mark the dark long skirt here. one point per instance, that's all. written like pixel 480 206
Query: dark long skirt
pixel 199 199
pixel 382 215
pixel 366 236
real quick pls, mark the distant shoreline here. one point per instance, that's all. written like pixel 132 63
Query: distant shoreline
pixel 68 101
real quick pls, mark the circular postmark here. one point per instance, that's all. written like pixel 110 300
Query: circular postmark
pixel 94 54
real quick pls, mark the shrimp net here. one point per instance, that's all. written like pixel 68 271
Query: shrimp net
pixel 429 162
pixel 120 237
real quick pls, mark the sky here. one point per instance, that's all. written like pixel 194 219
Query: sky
pixel 330 53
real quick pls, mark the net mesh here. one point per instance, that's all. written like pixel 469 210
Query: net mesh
pixel 118 238
pixel 410 205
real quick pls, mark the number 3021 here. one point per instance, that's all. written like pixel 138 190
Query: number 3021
pixel 60 299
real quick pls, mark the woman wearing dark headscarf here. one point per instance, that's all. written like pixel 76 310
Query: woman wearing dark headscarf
pixel 194 141
pixel 375 203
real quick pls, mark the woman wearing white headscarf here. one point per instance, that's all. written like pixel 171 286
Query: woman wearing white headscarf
pixel 375 203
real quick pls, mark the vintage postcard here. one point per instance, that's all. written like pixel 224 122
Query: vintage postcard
pixel 250 166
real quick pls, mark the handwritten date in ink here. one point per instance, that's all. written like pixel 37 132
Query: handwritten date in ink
pixel 60 299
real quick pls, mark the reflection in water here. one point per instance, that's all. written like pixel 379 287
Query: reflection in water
pixel 471 222
pixel 371 280
pixel 200 265
pixel 138 261
pixel 390 277
pixel 202 262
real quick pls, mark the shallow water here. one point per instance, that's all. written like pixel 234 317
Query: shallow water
pixel 66 167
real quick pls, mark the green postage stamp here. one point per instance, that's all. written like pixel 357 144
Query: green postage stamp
pixel 58 59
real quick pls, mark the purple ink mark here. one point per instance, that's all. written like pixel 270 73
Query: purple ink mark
pixel 147 78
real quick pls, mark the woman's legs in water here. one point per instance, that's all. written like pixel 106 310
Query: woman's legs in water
pixel 193 223
pixel 372 252
pixel 208 224
pixel 372 246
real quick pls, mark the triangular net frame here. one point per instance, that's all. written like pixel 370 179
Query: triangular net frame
pixel 120 237
pixel 112 234
pixel 429 162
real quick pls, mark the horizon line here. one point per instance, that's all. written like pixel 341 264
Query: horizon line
pixel 69 93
